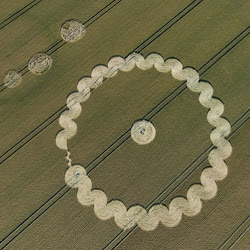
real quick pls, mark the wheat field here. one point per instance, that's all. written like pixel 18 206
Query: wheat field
pixel 38 210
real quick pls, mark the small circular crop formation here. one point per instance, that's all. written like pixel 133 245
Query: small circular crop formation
pixel 72 30
pixel 12 79
pixel 147 219
pixel 143 132
pixel 39 63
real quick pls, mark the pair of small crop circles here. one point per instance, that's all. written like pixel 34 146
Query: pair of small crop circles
pixel 71 31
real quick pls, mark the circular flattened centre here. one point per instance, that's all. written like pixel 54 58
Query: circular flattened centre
pixel 143 132
pixel 74 175
pixel 39 63
pixel 72 30
pixel 12 79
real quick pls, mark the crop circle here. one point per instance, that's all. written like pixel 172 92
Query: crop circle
pixel 12 79
pixel 136 214
pixel 143 132
pixel 72 30
pixel 39 63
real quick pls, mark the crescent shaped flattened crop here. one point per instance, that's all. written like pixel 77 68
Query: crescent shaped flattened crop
pixel 76 176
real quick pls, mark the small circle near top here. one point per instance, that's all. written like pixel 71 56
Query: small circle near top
pixel 143 132
pixel 72 30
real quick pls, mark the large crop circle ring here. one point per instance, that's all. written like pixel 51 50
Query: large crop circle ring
pixel 76 176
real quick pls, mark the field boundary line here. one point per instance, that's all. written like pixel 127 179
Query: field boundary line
pixel 239 237
pixel 167 25
pixel 238 229
pixel 18 13
pixel 21 229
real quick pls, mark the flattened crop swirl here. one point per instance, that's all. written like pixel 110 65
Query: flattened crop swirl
pixel 170 216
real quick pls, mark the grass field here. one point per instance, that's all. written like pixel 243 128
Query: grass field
pixel 10 10
pixel 37 209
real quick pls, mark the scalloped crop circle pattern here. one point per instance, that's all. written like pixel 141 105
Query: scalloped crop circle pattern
pixel 76 176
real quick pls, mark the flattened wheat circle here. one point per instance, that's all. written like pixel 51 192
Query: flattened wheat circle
pixel 170 216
